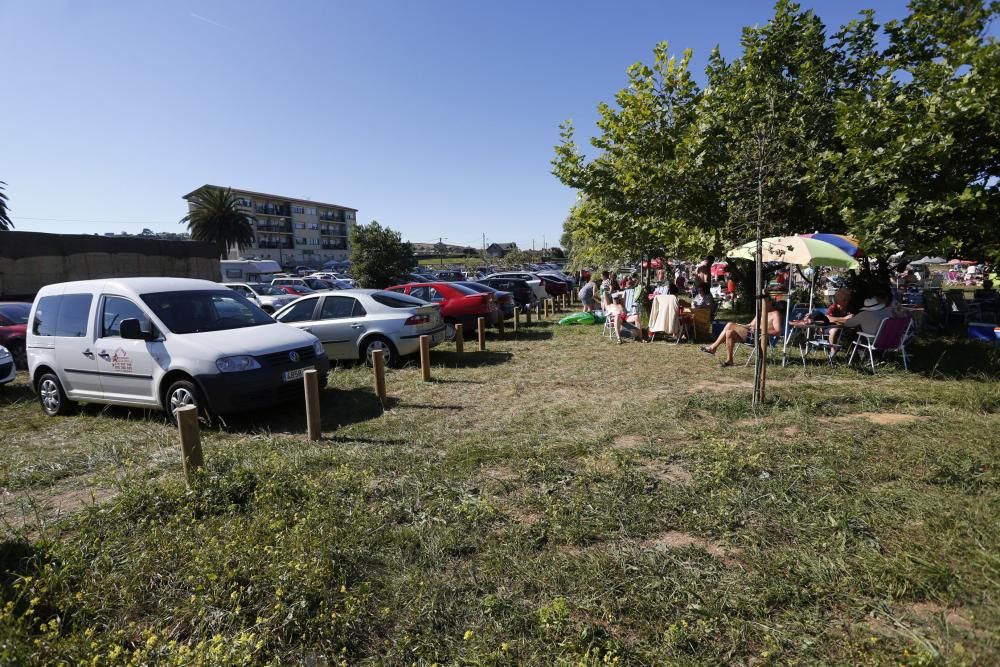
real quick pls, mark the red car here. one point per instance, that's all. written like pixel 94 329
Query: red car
pixel 459 304
pixel 553 286
pixel 295 290
pixel 13 328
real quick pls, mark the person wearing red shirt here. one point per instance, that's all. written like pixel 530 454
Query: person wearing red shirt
pixel 840 308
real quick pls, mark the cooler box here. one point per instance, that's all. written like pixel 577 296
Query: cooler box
pixel 985 331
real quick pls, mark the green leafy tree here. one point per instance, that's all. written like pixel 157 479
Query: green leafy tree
pixel 216 217
pixel 378 254
pixel 5 221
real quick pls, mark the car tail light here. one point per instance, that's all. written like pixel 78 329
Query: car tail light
pixel 415 320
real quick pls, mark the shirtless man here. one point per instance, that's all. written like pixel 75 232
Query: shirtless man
pixel 737 333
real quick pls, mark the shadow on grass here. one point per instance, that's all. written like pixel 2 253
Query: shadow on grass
pixel 524 335
pixel 469 359
pixel 955 359
pixel 11 394
pixel 337 407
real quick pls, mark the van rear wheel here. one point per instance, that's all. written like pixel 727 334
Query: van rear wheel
pixel 52 397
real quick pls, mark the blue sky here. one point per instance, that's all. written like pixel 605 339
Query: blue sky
pixel 436 118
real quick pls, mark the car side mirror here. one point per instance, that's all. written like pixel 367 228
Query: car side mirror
pixel 131 330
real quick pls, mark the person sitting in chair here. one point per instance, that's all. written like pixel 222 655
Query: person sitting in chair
pixel 735 333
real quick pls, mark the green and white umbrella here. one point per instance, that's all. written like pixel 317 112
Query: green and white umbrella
pixel 796 250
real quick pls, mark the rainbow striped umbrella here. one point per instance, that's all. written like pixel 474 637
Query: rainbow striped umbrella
pixel 848 244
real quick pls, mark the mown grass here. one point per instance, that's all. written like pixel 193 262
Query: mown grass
pixel 557 500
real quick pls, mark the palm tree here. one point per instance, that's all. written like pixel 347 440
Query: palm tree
pixel 5 222
pixel 216 218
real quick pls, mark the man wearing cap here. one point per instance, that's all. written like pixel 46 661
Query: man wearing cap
pixel 869 317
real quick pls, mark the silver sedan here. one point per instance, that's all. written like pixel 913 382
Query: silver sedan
pixel 353 323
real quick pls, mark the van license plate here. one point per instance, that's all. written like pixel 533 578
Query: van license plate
pixel 296 374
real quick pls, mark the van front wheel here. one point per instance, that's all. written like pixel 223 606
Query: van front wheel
pixel 52 397
pixel 182 393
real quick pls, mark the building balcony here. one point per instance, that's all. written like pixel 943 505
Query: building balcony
pixel 274 210
pixel 333 245
pixel 340 230
pixel 279 229
pixel 275 245
pixel 330 217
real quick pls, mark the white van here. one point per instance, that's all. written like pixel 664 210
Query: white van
pixel 162 343
pixel 249 270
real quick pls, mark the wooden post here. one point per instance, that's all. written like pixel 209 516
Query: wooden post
pixel 482 333
pixel 517 318
pixel 311 381
pixel 545 308
pixel 527 315
pixel 425 357
pixel 378 365
pixel 459 338
pixel 500 324
pixel 190 433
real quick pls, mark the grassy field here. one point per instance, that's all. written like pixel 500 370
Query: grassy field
pixel 556 500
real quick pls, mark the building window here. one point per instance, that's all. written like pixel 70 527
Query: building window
pixel 311 211
pixel 313 225
pixel 313 241
pixel 300 225
pixel 298 209
pixel 350 215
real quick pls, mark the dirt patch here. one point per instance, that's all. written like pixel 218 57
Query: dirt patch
pixel 790 431
pixel 717 386
pixel 628 442
pixel 670 474
pixel 880 418
pixel 923 614
pixel 929 612
pixel 526 517
pixel 24 507
pixel 675 539
pixel 496 474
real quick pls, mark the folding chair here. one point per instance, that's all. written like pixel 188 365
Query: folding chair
pixel 892 336
pixel 751 342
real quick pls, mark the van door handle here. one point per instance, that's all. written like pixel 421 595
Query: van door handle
pixel 103 355
pixel 88 353
pixel 357 326
pixel 307 328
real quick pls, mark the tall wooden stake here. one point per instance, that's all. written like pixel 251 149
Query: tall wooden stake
pixel 482 333
pixel 378 365
pixel 459 339
pixel 425 358
pixel 190 434
pixel 311 381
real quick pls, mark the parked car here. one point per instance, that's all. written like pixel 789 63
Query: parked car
pixel 13 329
pixel 295 290
pixel 163 343
pixel 7 369
pixel 267 297
pixel 315 284
pixel 352 324
pixel 569 280
pixel 450 276
pixel 406 278
pixel 338 279
pixel 532 279
pixel 553 286
pixel 524 296
pixel 505 300
pixel 302 270
pixel 458 304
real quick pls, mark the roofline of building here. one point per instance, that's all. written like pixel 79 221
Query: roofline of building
pixel 270 196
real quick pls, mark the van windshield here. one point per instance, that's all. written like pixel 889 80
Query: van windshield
pixel 204 310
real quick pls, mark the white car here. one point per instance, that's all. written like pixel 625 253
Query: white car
pixel 534 282
pixel 354 323
pixel 315 284
pixel 267 297
pixel 344 281
pixel 7 370
pixel 163 343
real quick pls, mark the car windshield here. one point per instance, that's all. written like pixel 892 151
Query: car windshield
pixel 194 311
pixel 266 290
pixel 397 300
pixel 16 312
pixel 475 287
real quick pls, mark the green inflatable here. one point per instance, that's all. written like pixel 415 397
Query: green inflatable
pixel 583 318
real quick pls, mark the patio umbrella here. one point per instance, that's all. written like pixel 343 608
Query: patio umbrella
pixel 954 262
pixel 931 260
pixel 796 250
pixel 848 244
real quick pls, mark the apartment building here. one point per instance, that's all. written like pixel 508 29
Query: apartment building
pixel 293 231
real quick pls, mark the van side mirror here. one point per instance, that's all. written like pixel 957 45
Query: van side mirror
pixel 131 330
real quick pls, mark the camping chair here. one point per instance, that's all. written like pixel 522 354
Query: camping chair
pixel 685 329
pixel 892 336
pixel 751 342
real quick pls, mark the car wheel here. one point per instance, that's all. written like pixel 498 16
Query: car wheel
pixel 181 393
pixel 379 343
pixel 20 355
pixel 449 330
pixel 52 397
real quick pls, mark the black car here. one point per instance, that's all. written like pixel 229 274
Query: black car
pixel 524 297
pixel 505 300
pixel 450 276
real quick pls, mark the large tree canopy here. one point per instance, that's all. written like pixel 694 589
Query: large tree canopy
pixel 885 132
pixel 378 254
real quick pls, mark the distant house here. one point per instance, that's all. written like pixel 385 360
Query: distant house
pixel 500 249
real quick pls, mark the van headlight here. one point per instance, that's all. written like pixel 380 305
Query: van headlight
pixel 318 348
pixel 236 364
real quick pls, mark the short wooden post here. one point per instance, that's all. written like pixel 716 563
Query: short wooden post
pixel 482 333
pixel 310 379
pixel 545 309
pixel 190 433
pixel 500 325
pixel 459 339
pixel 425 357
pixel 517 318
pixel 527 315
pixel 378 366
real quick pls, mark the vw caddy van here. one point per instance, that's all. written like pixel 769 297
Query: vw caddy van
pixel 163 343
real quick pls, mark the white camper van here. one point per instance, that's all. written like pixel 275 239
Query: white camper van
pixel 249 270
